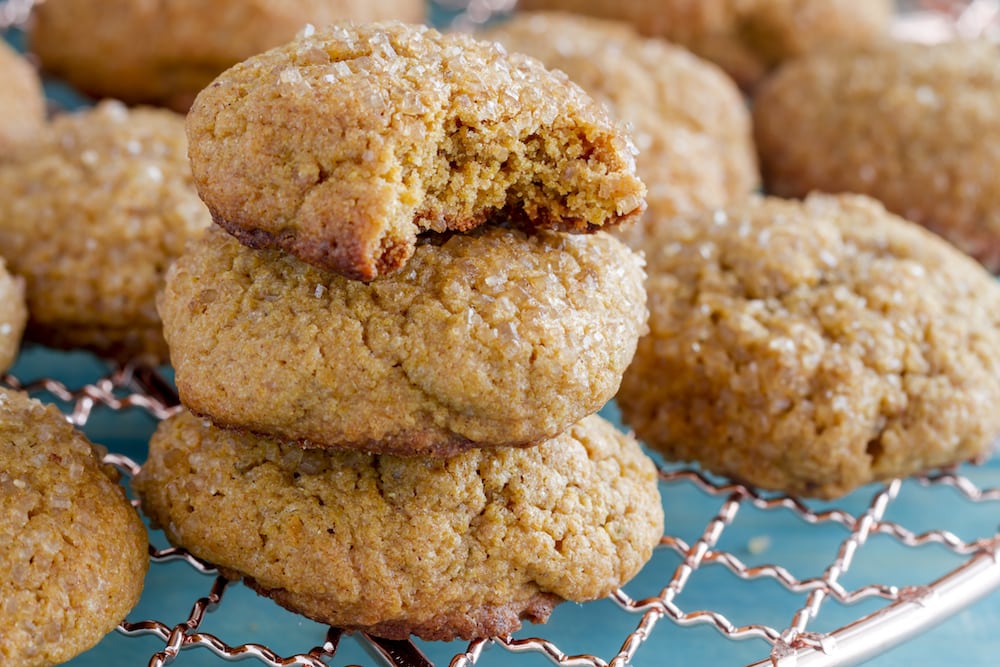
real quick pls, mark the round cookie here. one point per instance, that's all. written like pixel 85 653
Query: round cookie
pixel 912 125
pixel 13 315
pixel 485 339
pixel 813 347
pixel 91 217
pixel 440 548
pixel 73 551
pixel 22 102
pixel 747 38
pixel 343 145
pixel 687 118
pixel 164 52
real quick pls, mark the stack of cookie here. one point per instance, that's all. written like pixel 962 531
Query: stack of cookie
pixel 397 369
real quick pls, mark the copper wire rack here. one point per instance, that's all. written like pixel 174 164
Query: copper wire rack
pixel 902 611
pixel 832 619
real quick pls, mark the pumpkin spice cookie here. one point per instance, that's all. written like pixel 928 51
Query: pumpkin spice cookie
pixel 164 52
pixel 73 551
pixel 913 125
pixel 22 102
pixel 343 145
pixel 465 547
pixel 747 38
pixel 687 118
pixel 13 315
pixel 813 347
pixel 485 339
pixel 91 216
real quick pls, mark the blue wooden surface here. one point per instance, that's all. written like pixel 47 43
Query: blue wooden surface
pixel 969 638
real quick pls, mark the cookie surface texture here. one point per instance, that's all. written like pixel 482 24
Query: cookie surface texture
pixel 815 347
pixel 164 52
pixel 13 316
pixel 91 217
pixel 911 125
pixel 688 119
pixel 746 38
pixel 491 338
pixel 73 551
pixel 22 102
pixel 341 146
pixel 441 548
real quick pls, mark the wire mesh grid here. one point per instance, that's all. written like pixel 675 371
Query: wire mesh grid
pixel 900 612
pixel 887 615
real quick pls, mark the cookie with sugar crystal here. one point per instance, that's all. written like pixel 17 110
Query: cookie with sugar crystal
pixel 163 52
pixel 22 102
pixel 345 144
pixel 746 38
pixel 466 546
pixel 913 125
pixel 813 347
pixel 73 550
pixel 688 119
pixel 13 316
pixel 492 338
pixel 91 215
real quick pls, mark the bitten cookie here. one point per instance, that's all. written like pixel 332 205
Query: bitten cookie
pixel 814 347
pixel 13 315
pixel 73 551
pixel 915 126
pixel 343 145
pixel 22 102
pixel 91 217
pixel 485 339
pixel 687 118
pixel 746 37
pixel 165 52
pixel 440 548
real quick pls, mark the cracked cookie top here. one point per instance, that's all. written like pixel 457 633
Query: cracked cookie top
pixel 91 215
pixel 491 338
pixel 914 125
pixel 814 347
pixel 343 145
pixel 73 551
pixel 441 548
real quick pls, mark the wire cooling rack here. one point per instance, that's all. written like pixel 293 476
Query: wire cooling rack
pixel 660 610
pixel 796 583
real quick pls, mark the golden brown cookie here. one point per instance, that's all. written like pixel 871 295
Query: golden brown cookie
pixel 687 118
pixel 73 551
pixel 465 547
pixel 91 217
pixel 22 102
pixel 814 347
pixel 13 315
pixel 343 145
pixel 485 339
pixel 912 125
pixel 164 52
pixel 747 38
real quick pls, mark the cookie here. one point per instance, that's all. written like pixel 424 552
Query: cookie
pixel 91 217
pixel 13 315
pixel 486 339
pixel 163 53
pixel 440 548
pixel 912 125
pixel 22 102
pixel 746 38
pixel 73 551
pixel 813 347
pixel 343 145
pixel 687 118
